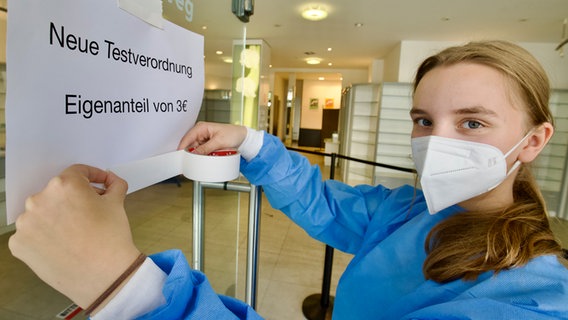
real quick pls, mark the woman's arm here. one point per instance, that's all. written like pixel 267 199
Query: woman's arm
pixel 77 239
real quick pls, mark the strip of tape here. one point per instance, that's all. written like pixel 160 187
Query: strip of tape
pixel 217 167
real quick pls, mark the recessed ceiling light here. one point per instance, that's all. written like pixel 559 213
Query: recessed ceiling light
pixel 321 78
pixel 314 13
pixel 330 64
pixel 204 27
pixel 219 52
pixel 313 61
pixel 329 49
pixel 358 24
pixel 228 60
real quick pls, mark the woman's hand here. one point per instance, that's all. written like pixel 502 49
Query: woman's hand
pixel 74 236
pixel 207 137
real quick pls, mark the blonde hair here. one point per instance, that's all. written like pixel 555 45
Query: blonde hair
pixel 470 243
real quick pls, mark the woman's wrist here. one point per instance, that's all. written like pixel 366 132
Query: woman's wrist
pixel 250 147
pixel 97 274
pixel 115 286
pixel 139 295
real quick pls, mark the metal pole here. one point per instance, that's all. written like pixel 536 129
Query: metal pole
pixel 328 260
pixel 252 247
pixel 255 200
pixel 198 226
pixel 320 306
pixel 229 186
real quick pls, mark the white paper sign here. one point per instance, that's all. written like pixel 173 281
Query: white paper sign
pixel 88 82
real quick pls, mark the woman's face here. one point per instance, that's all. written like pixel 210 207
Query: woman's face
pixel 471 102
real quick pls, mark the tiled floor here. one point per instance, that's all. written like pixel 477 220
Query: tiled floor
pixel 291 263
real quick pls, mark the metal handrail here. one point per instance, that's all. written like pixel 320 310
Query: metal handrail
pixel 255 196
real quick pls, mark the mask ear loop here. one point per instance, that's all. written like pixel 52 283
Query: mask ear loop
pixel 517 163
pixel 518 143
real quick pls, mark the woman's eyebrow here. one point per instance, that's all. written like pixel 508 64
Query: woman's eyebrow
pixel 476 110
pixel 416 112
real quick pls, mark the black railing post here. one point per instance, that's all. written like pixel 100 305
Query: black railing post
pixel 311 309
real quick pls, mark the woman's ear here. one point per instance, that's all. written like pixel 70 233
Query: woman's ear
pixel 537 140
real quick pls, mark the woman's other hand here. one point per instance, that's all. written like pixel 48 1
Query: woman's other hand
pixel 207 137
pixel 74 236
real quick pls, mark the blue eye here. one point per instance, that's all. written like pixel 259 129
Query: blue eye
pixel 423 122
pixel 471 124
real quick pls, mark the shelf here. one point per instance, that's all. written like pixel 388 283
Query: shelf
pixel 363 142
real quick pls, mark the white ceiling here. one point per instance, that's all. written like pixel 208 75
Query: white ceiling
pixel 385 23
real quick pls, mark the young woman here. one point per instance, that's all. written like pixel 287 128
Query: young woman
pixel 474 244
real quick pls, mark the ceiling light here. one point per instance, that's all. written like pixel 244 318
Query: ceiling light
pixel 316 13
pixel 329 49
pixel 330 64
pixel 313 61
pixel 321 78
pixel 358 24
pixel 219 52
pixel 228 60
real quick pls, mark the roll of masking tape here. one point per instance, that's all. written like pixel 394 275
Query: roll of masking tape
pixel 218 166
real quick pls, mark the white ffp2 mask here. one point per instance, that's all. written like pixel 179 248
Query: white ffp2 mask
pixel 452 170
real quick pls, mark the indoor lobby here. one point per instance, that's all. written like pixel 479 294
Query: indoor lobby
pixel 340 83
pixel 290 262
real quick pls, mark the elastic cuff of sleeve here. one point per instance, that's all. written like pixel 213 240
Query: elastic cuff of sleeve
pixel 142 294
pixel 252 144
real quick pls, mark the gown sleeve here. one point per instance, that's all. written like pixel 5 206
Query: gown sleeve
pixel 189 295
pixel 330 211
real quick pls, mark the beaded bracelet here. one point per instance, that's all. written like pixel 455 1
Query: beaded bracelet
pixel 137 263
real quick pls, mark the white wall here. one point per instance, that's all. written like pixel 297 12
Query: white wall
pixel 352 76
pixel 412 53
pixel 556 67
pixel 312 118
pixel 392 64
pixel 376 71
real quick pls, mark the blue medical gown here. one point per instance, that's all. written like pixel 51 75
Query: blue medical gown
pixel 385 229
